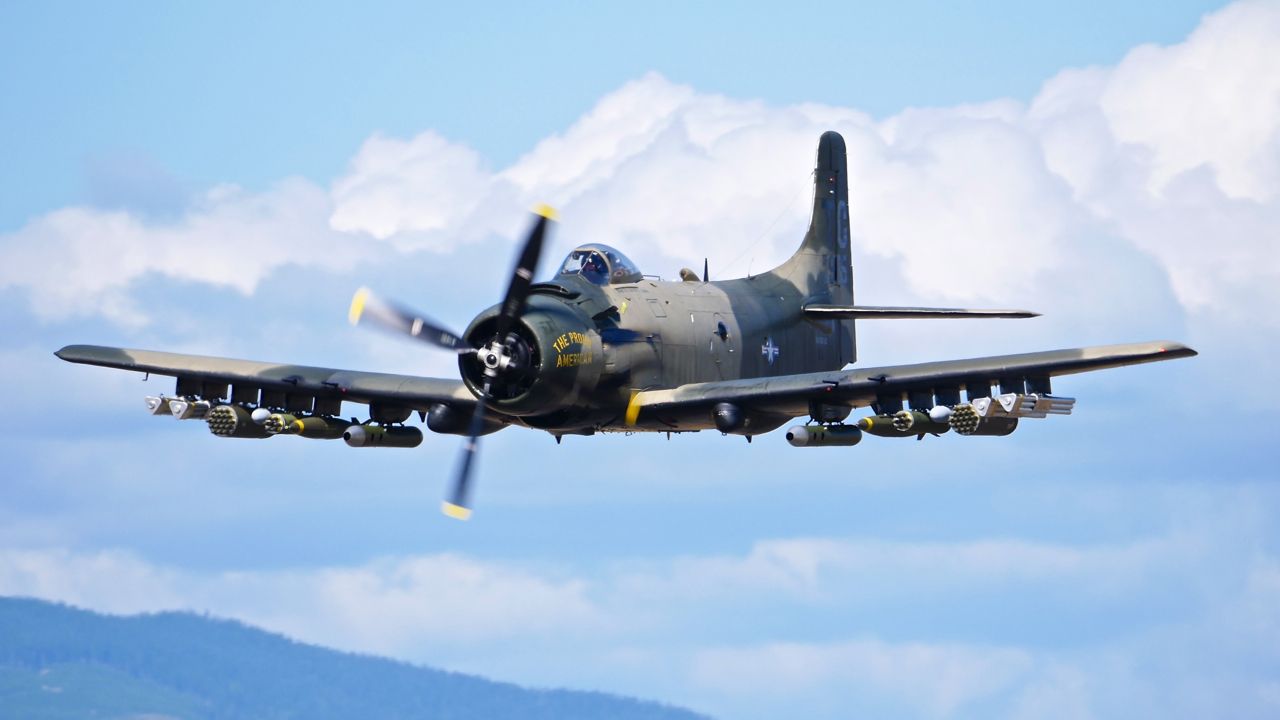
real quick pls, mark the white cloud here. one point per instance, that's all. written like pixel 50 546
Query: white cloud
pixel 1170 159
pixel 931 679
pixel 622 125
pixel 109 581
pixel 1177 150
pixel 963 200
pixel 82 261
pixel 832 571
pixel 404 607
pixel 1056 691
pixel 812 622
pixel 1213 100
pixel 415 190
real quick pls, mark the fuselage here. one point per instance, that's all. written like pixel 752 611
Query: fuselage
pixel 707 331
pixel 600 331
pixel 596 345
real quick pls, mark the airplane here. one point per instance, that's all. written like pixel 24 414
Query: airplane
pixel 602 347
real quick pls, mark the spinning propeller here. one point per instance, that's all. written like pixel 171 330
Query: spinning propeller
pixel 498 356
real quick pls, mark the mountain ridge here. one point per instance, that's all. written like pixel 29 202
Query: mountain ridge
pixel 58 661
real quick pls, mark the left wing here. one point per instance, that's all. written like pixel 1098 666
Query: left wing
pixel 237 380
pixel 793 394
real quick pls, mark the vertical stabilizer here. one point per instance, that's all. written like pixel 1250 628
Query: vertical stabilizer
pixel 822 268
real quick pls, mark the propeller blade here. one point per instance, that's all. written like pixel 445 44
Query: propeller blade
pixel 457 506
pixel 522 277
pixel 367 308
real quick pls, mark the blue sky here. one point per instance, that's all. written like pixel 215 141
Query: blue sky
pixel 220 180
pixel 253 92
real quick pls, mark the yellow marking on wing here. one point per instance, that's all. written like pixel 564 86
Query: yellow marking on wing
pixel 547 212
pixel 357 305
pixel 633 408
pixel 457 512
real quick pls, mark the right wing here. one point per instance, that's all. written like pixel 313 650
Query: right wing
pixel 277 384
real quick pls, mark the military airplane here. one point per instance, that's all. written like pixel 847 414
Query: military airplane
pixel 601 347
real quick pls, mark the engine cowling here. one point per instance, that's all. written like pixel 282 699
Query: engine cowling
pixel 555 358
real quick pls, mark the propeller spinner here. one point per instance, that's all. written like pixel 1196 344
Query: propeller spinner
pixel 498 356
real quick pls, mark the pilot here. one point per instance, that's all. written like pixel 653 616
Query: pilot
pixel 594 269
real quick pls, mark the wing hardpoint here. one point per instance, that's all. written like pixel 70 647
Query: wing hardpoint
pixel 797 394
pixel 291 385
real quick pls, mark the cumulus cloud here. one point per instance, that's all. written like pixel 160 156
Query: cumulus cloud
pixel 827 570
pixel 108 581
pixel 404 607
pixel 621 126
pixel 1177 149
pixel 1147 164
pixel 698 629
pixel 1213 101
pixel 1169 159
pixel 82 261
pixel 410 190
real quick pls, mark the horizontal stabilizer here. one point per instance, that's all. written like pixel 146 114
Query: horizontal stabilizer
pixel 871 312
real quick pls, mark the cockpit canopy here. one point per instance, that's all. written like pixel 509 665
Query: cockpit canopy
pixel 600 265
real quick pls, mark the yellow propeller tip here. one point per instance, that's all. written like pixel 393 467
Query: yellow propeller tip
pixel 457 512
pixel 357 305
pixel 547 212
pixel 633 408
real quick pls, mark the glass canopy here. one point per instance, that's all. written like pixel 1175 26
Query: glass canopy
pixel 601 265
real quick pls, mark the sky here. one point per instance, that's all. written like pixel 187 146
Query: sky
pixel 220 179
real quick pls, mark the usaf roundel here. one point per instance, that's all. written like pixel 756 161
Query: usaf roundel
pixel 770 350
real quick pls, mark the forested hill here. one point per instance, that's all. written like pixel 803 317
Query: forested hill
pixel 61 662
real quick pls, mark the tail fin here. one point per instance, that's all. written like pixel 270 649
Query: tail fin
pixel 822 269
pixel 822 266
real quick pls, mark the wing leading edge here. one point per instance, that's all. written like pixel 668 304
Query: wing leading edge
pixel 793 394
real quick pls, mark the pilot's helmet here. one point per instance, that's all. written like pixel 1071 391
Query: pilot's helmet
pixel 594 268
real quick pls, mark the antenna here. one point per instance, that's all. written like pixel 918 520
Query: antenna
pixel 704 270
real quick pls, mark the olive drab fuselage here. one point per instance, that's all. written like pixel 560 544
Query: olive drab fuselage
pixel 618 338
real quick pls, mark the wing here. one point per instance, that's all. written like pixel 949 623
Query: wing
pixel 275 384
pixel 791 395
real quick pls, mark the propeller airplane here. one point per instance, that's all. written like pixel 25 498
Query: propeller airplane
pixel 601 347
